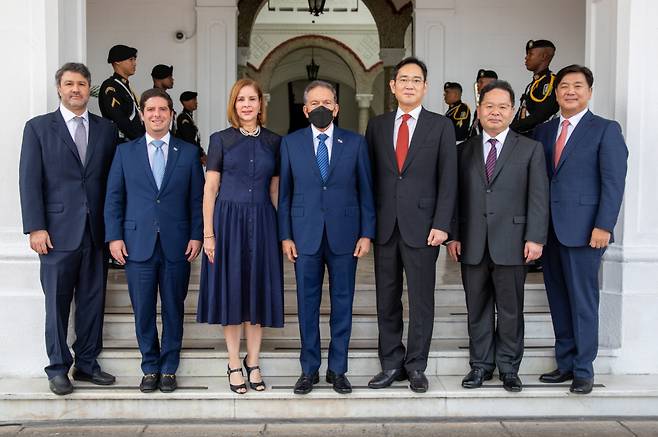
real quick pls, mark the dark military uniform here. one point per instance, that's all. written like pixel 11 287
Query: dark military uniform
pixel 186 128
pixel 460 115
pixel 538 103
pixel 118 102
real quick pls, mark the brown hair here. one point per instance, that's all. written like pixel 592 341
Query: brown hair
pixel 231 114
pixel 155 92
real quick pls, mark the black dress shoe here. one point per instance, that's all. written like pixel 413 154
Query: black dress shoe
pixel 304 384
pixel 386 377
pixel 98 377
pixel 476 377
pixel 511 382
pixel 418 381
pixel 581 386
pixel 340 382
pixel 556 376
pixel 149 382
pixel 167 383
pixel 60 385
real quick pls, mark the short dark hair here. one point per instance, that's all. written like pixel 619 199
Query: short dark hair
pixel 155 92
pixel 497 85
pixel 320 84
pixel 575 68
pixel 407 61
pixel 74 67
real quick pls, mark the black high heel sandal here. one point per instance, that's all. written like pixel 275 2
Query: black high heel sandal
pixel 236 387
pixel 254 385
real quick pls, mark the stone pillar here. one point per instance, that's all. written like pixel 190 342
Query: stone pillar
pixel 364 101
pixel 44 34
pixel 390 57
pixel 216 61
pixel 433 20
pixel 619 35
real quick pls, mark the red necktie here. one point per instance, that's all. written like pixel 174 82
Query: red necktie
pixel 561 141
pixel 402 142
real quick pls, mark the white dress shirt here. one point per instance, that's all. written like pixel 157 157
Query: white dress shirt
pixel 151 148
pixel 486 145
pixel 411 123
pixel 573 122
pixel 71 124
pixel 329 141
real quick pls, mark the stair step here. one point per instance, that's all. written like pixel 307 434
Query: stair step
pixel 281 358
pixel 449 323
pixel 210 398
pixel 535 295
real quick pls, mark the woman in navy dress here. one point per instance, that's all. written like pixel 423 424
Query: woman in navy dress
pixel 241 274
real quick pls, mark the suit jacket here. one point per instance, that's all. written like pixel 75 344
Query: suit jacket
pixel 136 211
pixel 343 206
pixel 508 211
pixel 422 196
pixel 587 187
pixel 58 193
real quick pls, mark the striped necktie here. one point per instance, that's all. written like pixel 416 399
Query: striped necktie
pixel 323 156
pixel 490 165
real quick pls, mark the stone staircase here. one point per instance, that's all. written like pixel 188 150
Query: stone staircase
pixel 204 392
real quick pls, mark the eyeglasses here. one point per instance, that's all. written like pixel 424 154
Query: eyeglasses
pixel 416 82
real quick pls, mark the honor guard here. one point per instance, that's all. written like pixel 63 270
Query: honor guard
pixel 186 129
pixel 116 99
pixel 458 112
pixel 163 78
pixel 538 103
pixel 483 78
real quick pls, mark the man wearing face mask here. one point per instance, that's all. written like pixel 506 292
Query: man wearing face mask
pixel 326 218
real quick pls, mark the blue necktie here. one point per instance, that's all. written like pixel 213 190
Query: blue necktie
pixel 323 157
pixel 158 166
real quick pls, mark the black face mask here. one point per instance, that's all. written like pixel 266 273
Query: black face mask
pixel 321 117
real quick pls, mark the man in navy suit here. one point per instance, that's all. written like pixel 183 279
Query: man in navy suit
pixel 326 217
pixel 154 226
pixel 586 162
pixel 65 158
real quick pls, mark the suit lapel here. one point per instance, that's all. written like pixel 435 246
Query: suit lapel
pixel 172 158
pixel 308 148
pixel 142 153
pixel 575 138
pixel 93 137
pixel 550 141
pixel 420 131
pixel 477 158
pixel 337 147
pixel 508 148
pixel 60 127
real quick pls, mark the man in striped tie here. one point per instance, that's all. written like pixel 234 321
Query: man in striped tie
pixel 500 225
pixel 326 218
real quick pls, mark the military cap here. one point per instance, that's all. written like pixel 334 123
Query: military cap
pixel 539 43
pixel 161 71
pixel 490 74
pixel 187 95
pixel 120 53
pixel 449 85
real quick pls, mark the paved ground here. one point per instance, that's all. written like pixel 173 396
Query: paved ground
pixel 512 428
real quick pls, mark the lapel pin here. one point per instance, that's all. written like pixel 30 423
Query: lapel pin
pixel 175 149
pixel 339 140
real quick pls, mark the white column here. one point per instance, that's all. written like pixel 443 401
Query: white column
pixel 620 34
pixel 433 21
pixel 216 61
pixel 43 34
pixel 364 100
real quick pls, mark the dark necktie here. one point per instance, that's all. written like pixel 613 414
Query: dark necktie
pixel 402 142
pixel 490 165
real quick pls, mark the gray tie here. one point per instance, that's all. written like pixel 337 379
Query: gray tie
pixel 80 138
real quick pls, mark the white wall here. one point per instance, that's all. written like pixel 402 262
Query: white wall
pixel 149 26
pixel 458 37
